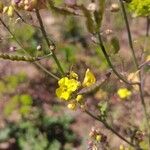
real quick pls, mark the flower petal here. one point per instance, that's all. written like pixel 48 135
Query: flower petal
pixel 89 78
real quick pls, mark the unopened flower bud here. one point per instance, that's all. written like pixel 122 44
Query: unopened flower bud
pixel 52 47
pixel 10 11
pixel 79 98
pixel 39 47
pixel 72 106
pixel 5 9
pixel 108 31
pixel 98 138
pixel 114 7
pixel 92 7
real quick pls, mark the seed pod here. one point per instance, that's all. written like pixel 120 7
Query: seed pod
pixel 18 58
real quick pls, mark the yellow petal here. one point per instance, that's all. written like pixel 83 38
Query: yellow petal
pixel 63 81
pixel 73 85
pixel 62 94
pixel 89 78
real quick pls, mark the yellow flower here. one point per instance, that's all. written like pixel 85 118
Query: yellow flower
pixel 72 105
pixel 89 79
pixel 124 93
pixel 66 87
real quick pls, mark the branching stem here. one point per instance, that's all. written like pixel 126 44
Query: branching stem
pixel 49 42
pixel 110 128
pixel 36 63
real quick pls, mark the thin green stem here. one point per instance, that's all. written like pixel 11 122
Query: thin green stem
pixel 110 63
pixel 49 42
pixel 129 34
pixel 136 64
pixel 110 128
pixel 46 71
pixel 144 105
pixel 36 63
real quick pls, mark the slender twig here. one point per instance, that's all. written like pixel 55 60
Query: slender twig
pixel 24 21
pixel 110 63
pixel 36 63
pixel 137 66
pixel 49 42
pixel 144 104
pixel 147 63
pixel 110 128
pixel 129 34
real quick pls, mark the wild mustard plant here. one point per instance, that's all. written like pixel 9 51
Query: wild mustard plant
pixel 71 89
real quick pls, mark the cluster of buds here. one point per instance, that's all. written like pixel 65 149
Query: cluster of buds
pixel 139 136
pixel 97 136
pixel 9 10
pixel 29 5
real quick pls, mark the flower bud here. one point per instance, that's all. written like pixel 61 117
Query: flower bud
pixel 98 138
pixel 92 7
pixel 72 106
pixel 5 9
pixel 79 98
pixel 10 11
pixel 39 47
pixel 114 7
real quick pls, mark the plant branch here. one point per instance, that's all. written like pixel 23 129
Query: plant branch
pixel 129 34
pixel 137 66
pixel 110 128
pixel 110 63
pixel 49 42
pixel 36 63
